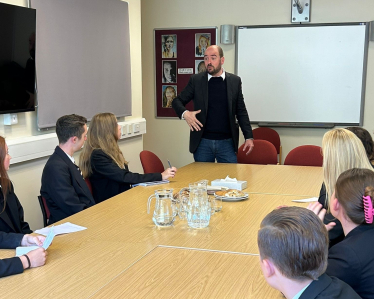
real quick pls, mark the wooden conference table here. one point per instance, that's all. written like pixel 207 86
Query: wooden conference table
pixel 122 254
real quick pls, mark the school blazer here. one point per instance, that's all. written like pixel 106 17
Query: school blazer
pixel 63 187
pixel 13 211
pixel 326 287
pixel 11 265
pixel 109 180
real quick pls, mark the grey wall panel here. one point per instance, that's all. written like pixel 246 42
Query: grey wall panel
pixel 82 58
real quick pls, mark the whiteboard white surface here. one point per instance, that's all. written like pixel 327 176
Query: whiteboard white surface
pixel 303 74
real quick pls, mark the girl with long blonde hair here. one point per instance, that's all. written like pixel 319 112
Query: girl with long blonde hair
pixel 342 150
pixel 104 164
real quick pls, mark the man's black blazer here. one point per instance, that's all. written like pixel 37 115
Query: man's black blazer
pixel 12 265
pixel 197 91
pixel 12 219
pixel 63 187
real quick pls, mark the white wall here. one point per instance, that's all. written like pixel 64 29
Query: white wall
pixel 169 138
pixel 26 176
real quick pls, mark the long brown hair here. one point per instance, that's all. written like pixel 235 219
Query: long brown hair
pixel 4 179
pixel 350 188
pixel 102 134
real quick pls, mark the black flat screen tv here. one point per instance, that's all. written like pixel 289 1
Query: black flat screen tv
pixel 17 58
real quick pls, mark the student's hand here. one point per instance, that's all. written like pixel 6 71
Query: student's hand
pixel 37 258
pixel 318 209
pixel 29 240
pixel 170 172
pixel 190 118
pixel 248 146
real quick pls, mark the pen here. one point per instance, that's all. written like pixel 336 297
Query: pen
pixel 169 163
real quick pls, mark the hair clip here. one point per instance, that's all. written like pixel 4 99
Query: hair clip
pixel 368 208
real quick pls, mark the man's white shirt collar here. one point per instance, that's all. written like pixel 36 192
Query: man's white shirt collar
pixel 223 75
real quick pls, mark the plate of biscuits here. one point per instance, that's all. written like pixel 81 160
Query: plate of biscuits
pixel 231 195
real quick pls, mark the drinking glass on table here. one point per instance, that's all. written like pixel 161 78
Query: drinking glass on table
pixel 198 207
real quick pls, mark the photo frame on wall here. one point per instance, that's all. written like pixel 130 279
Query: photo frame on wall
pixel 178 56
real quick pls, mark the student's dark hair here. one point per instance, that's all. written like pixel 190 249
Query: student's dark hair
pixel 68 126
pixel 350 188
pixel 366 140
pixel 296 241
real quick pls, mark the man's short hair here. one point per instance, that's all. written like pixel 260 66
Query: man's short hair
pixel 70 126
pixel 220 51
pixel 296 241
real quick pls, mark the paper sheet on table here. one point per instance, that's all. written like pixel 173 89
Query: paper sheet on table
pixel 47 242
pixel 64 228
pixel 312 199
pixel 25 250
pixel 145 184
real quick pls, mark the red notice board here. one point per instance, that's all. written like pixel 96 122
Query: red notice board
pixel 179 53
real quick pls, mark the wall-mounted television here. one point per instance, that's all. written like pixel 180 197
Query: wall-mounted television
pixel 17 58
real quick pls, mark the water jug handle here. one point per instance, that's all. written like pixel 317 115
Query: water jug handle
pixel 149 203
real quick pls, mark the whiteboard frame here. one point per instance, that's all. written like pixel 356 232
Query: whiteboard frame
pixel 364 71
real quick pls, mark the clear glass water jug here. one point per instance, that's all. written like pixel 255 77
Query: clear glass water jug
pixel 165 208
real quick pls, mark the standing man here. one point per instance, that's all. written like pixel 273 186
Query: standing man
pixel 218 103
pixel 63 185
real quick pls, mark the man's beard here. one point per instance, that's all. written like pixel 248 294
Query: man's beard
pixel 213 71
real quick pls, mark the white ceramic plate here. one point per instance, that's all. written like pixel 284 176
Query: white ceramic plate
pixel 239 198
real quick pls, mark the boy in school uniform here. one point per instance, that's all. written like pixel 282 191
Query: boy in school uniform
pixel 293 245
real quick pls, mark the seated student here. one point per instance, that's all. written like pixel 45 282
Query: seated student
pixel 63 185
pixel 16 265
pixel 11 211
pixel 352 260
pixel 342 150
pixel 367 141
pixel 103 163
pixel 293 247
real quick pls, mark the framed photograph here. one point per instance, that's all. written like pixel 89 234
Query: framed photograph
pixel 169 46
pixel 169 92
pixel 199 66
pixel 202 41
pixel 169 71
pixel 176 62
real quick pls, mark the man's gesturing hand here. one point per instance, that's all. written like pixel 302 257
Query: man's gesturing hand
pixel 190 118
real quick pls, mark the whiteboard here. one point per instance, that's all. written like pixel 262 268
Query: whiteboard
pixel 311 73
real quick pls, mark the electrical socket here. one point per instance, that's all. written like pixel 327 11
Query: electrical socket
pixel 10 119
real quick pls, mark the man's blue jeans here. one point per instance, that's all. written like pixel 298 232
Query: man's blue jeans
pixel 210 150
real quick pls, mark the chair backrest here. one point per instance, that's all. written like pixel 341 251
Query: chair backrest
pixel 305 155
pixel 268 134
pixel 264 153
pixel 45 210
pixel 151 163
pixel 88 184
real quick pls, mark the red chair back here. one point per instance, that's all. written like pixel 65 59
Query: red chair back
pixel 305 155
pixel 45 211
pixel 88 184
pixel 263 153
pixel 268 134
pixel 151 163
